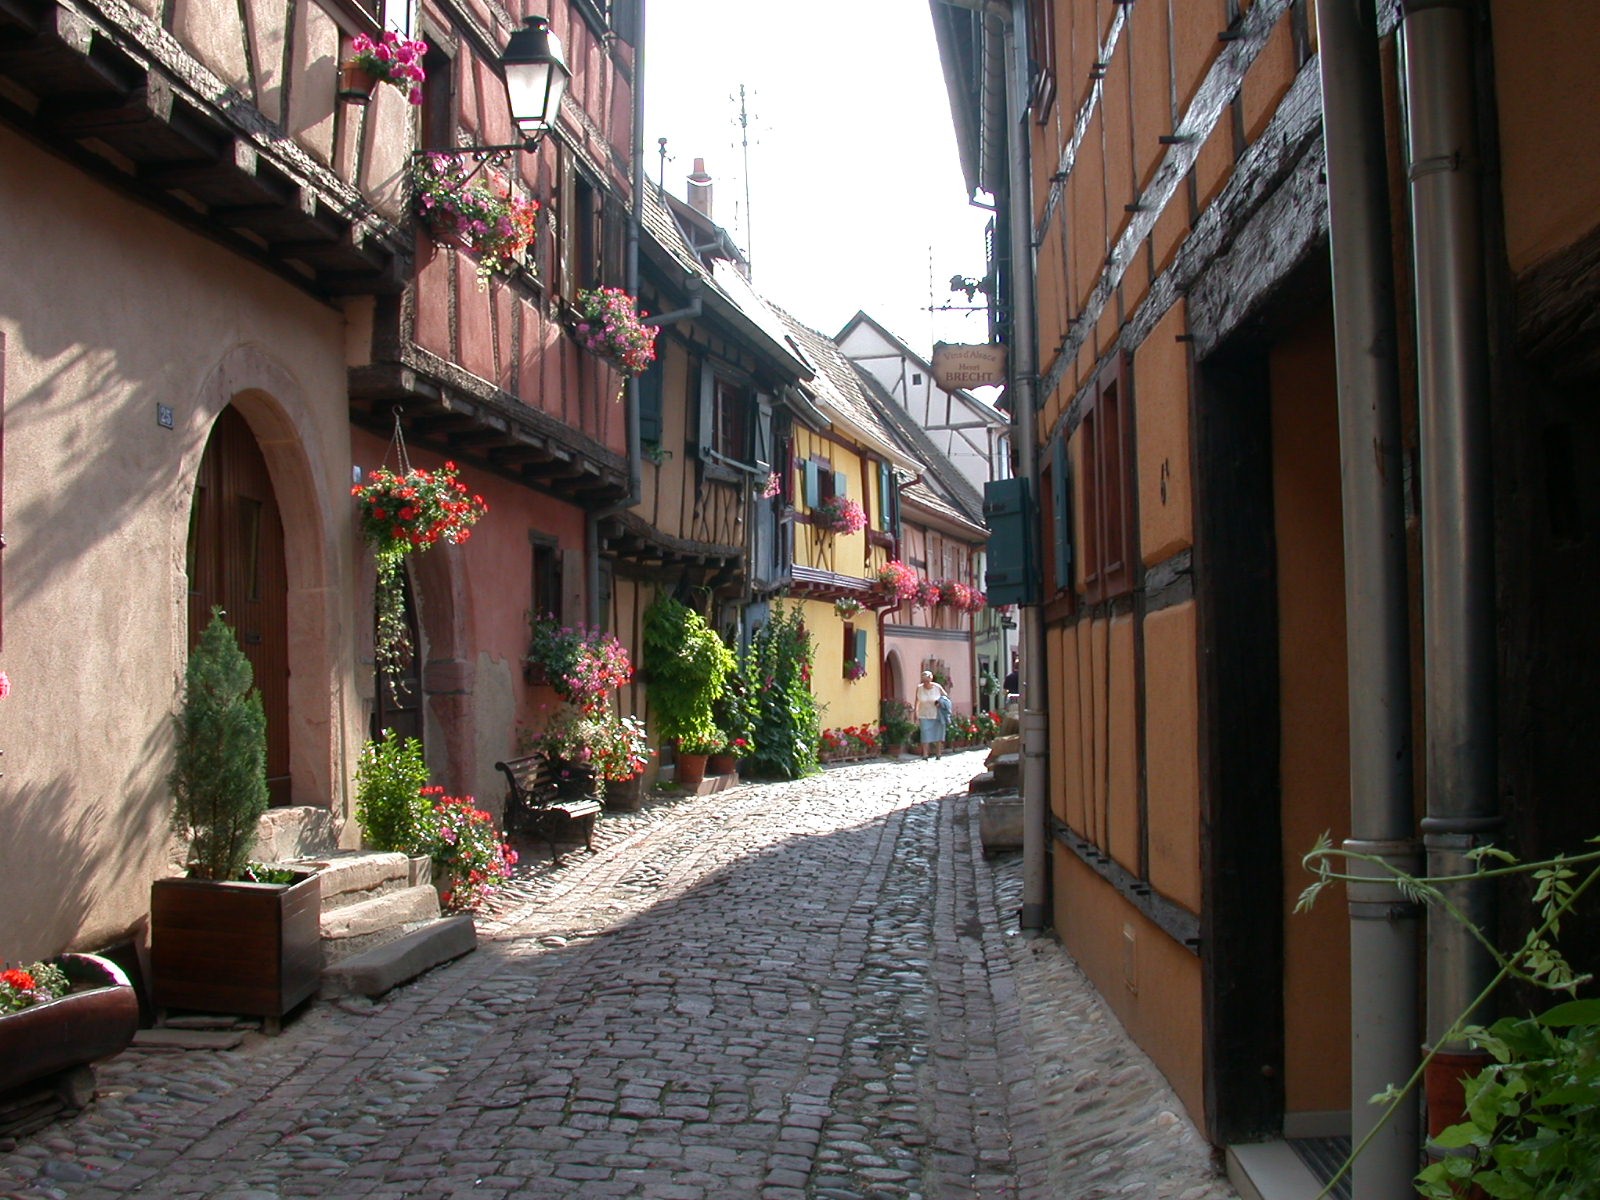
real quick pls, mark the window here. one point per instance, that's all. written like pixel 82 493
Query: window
pixel 588 228
pixel 547 590
pixel 1107 485
pixel 855 651
pixel 822 483
pixel 650 403
pixel 888 500
pixel 728 409
pixel 1058 529
pixel 438 98
pixel 1042 58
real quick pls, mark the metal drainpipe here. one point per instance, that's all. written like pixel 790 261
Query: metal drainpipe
pixel 1024 373
pixel 1383 926
pixel 1459 667
pixel 592 518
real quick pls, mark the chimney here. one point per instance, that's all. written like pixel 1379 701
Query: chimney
pixel 700 189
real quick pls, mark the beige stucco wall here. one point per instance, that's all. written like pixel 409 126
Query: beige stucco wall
pixel 107 311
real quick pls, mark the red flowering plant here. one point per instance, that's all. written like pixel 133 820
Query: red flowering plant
pixel 403 514
pixel 584 665
pixel 610 326
pixel 23 987
pixel 928 594
pixel 839 515
pixel 392 59
pixel 614 748
pixel 854 670
pixel 896 580
pixel 470 862
pixel 485 214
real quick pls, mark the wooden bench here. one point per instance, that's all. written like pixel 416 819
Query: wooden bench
pixel 536 803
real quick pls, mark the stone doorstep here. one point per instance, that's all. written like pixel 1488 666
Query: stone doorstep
pixel 377 970
pixel 355 877
pixel 709 785
pixel 383 912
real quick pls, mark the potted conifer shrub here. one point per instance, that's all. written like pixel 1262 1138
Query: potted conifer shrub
pixel 229 936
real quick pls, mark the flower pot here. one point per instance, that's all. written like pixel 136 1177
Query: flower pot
pixel 94 1021
pixel 250 948
pixel 894 750
pixel 625 795
pixel 721 764
pixel 356 84
pixel 691 768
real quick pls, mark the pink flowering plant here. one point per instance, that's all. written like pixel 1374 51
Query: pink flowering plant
pixel 584 665
pixel 486 214
pixel 896 580
pixel 403 514
pixel 610 326
pixel 615 748
pixel 392 59
pixel 928 594
pixel 839 515
pixel 470 862
pixel 23 987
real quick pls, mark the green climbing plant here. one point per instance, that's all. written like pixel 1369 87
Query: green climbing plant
pixel 1532 1122
pixel 686 664
pixel 776 670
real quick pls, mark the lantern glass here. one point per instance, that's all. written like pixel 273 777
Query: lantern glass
pixel 536 76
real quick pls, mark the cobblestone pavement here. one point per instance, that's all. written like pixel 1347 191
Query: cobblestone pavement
pixel 799 991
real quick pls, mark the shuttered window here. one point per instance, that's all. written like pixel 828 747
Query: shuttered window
pixel 1107 479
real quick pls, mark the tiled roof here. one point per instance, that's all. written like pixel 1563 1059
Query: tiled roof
pixel 964 498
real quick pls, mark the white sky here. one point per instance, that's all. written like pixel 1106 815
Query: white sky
pixel 853 168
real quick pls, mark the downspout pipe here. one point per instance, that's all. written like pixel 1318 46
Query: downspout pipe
pixel 1384 927
pixel 1034 915
pixel 1459 668
pixel 593 517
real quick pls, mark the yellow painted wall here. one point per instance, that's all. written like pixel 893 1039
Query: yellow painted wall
pixel 845 553
pixel 844 701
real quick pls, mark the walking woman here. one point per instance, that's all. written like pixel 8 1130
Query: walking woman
pixel 933 714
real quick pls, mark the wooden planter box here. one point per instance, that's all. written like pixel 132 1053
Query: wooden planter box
pixel 93 1022
pixel 250 948
pixel 625 795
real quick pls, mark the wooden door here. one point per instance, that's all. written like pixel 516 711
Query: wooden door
pixel 235 559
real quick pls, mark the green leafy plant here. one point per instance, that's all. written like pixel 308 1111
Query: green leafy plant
pixel 896 727
pixel 1532 1127
pixel 687 665
pixel 219 778
pixel 777 671
pixel 390 776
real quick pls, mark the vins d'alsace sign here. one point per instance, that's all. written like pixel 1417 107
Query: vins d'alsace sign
pixel 956 367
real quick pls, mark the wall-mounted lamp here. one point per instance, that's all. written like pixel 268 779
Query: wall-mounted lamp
pixel 536 77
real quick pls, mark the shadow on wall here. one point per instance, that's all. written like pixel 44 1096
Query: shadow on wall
pixel 68 858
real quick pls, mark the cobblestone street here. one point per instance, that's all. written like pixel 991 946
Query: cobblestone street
pixel 782 991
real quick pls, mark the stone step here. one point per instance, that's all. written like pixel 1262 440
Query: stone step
pixel 1000 822
pixel 375 971
pixel 356 876
pixel 985 783
pixel 355 928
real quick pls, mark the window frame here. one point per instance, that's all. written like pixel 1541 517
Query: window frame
pixel 1106 475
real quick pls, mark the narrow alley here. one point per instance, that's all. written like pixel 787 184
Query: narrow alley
pixel 792 990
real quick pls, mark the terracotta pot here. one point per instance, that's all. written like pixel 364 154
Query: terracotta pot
pixel 94 1021
pixel 721 764
pixel 691 768
pixel 356 84
pixel 894 750
pixel 251 948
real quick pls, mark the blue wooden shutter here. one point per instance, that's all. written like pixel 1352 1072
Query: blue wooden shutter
pixel 841 484
pixel 861 648
pixel 813 489
pixel 708 410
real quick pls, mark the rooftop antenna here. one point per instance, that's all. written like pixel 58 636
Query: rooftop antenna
pixel 661 175
pixel 749 224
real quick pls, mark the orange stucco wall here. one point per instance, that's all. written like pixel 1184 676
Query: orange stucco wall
pixel 1150 981
pixel 1314 714
pixel 1161 413
pixel 1172 753
pixel 1549 109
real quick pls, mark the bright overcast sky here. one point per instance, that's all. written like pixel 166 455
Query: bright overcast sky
pixel 853 169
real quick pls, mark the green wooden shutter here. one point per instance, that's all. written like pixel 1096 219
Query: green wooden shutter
pixel 813 488
pixel 650 403
pixel 841 484
pixel 1013 575
pixel 861 648
pixel 1061 507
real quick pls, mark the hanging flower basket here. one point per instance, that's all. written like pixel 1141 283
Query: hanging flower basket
pixel 482 215
pixel 391 59
pixel 609 326
pixel 928 594
pixel 846 607
pixel 403 514
pixel 839 515
pixel 896 581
